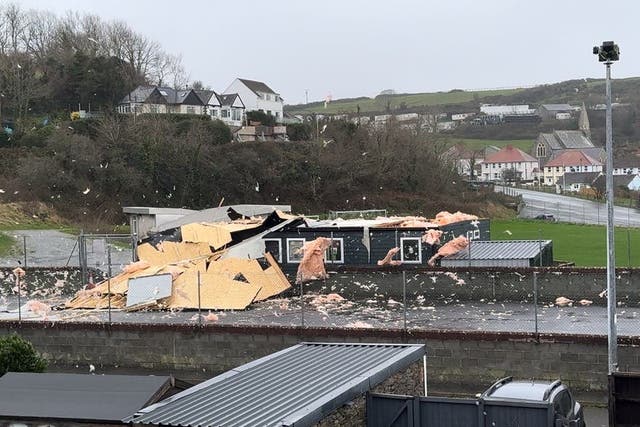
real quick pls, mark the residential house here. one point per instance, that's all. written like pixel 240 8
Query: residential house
pixel 568 161
pixel 228 108
pixel 466 159
pixel 232 109
pixel 509 158
pixel 620 182
pixel 626 166
pixel 555 111
pixel 161 100
pixel 257 96
pixel 576 181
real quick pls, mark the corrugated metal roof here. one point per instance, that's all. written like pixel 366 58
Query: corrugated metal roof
pixel 296 386
pixel 501 249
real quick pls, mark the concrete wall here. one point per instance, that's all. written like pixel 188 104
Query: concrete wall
pixel 458 359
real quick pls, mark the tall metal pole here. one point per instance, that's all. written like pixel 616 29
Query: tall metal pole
pixel 611 259
pixel 109 279
pixel 24 249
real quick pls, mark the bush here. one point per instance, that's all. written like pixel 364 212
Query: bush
pixel 18 355
pixel 264 118
pixel 299 132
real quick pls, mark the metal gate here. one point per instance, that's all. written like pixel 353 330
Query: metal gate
pixel 104 252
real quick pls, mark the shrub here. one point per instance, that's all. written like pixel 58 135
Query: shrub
pixel 18 355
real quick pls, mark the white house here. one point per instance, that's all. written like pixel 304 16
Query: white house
pixel 509 158
pixel 568 161
pixel 257 96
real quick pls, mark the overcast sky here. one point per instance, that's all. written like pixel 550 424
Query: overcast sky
pixel 350 48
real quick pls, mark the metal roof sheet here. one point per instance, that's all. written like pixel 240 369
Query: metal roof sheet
pixel 77 397
pixel 501 249
pixel 296 386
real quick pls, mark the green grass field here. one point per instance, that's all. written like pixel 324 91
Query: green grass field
pixel 409 100
pixel 477 144
pixel 6 243
pixel 585 245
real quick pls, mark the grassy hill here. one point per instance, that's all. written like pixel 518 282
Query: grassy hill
pixel 477 144
pixel 577 91
pixel 399 101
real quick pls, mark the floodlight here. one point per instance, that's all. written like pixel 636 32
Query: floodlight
pixel 608 52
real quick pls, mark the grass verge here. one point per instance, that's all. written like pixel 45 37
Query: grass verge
pixel 585 245
pixel 6 243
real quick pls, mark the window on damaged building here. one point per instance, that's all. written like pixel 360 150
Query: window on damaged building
pixel 294 250
pixel 410 250
pixel 274 247
pixel 335 252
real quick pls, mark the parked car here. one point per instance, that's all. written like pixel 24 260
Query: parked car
pixel 567 412
pixel 546 217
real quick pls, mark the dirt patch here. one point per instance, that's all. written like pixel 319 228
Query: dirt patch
pixel 28 214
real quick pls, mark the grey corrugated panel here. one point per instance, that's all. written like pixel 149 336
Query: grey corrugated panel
pixel 516 263
pixel 148 288
pixel 501 249
pixel 297 386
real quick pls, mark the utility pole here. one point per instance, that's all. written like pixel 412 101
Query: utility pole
pixel 608 53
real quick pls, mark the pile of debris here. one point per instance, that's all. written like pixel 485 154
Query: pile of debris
pixel 199 271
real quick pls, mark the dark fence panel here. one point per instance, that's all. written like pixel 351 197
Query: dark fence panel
pixel 385 410
pixel 624 399
pixel 390 411
pixel 446 412
pixel 518 414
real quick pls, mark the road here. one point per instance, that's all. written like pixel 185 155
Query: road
pixel 570 209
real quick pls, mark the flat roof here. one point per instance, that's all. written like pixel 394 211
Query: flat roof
pixel 77 397
pixel 146 210
pixel 298 386
pixel 501 249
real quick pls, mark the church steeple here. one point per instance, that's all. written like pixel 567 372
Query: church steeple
pixel 583 122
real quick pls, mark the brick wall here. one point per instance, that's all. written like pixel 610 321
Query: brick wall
pixel 464 359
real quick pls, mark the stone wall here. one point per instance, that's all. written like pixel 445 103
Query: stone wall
pixel 461 359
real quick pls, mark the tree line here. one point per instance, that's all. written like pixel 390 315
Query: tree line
pixel 51 63
pixel 89 172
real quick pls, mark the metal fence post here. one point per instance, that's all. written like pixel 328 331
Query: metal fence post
pixel 535 302
pixel 19 298
pixel 301 305
pixel 24 249
pixel 404 298
pixel 134 247
pixel 109 278
pixel 199 303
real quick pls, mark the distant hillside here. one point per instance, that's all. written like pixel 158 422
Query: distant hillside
pixel 590 91
pixel 405 101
